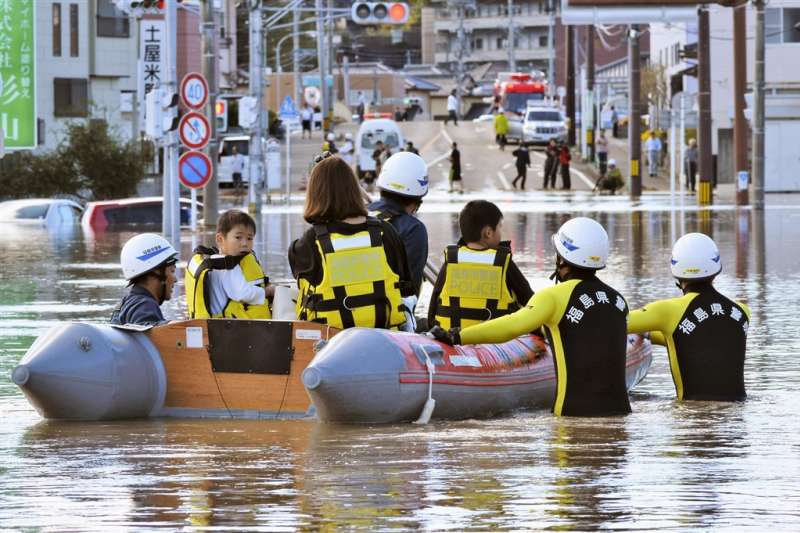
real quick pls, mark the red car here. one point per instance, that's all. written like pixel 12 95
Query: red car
pixel 131 211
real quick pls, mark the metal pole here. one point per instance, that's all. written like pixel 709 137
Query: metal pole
pixel 209 43
pixel 171 22
pixel 739 88
pixel 256 90
pixel 704 189
pixel 682 176
pixel 296 55
pixel 512 63
pixel 194 210
pixel 321 56
pixel 551 43
pixel 634 119
pixel 346 80
pixel 329 60
pixel 570 44
pixel 288 165
pixel 589 112
pixel 758 110
pixel 672 154
pixel 460 57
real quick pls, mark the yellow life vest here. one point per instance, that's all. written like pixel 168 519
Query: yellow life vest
pixel 358 287
pixel 475 288
pixel 198 289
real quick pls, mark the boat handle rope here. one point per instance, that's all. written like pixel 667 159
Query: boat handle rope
pixel 430 403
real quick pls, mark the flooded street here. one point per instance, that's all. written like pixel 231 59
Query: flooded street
pixel 687 466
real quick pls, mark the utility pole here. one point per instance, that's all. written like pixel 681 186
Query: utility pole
pixel 634 120
pixel 758 110
pixel 588 113
pixel 321 57
pixel 739 88
pixel 209 34
pixel 460 57
pixel 704 192
pixel 512 63
pixel 171 223
pixel 551 43
pixel 257 91
pixel 570 44
pixel 296 55
pixel 329 60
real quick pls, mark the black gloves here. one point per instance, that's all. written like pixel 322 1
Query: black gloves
pixel 451 337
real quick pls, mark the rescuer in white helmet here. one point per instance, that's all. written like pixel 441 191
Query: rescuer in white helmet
pixel 148 264
pixel 705 332
pixel 403 183
pixel 584 320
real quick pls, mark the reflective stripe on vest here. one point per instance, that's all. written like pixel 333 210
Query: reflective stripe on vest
pixel 358 287
pixel 475 288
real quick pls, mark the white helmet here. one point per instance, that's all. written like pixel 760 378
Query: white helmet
pixel 144 253
pixel 582 242
pixel 406 174
pixel 695 256
pixel 612 162
pixel 331 137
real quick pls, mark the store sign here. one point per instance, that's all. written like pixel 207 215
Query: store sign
pixel 18 74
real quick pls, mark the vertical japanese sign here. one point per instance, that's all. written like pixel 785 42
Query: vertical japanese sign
pixel 152 59
pixel 18 73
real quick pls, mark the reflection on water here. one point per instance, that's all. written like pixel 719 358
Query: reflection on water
pixel 688 466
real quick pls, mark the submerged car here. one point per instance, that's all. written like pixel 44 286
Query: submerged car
pixel 46 211
pixel 131 211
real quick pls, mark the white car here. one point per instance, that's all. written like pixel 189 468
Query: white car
pixel 370 132
pixel 44 211
pixel 542 124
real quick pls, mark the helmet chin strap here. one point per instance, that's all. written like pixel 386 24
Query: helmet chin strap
pixel 556 275
pixel 161 274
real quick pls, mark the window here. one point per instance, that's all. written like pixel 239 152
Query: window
pixel 780 25
pixel 71 97
pixel 543 41
pixel 477 44
pixel 111 22
pixel 500 42
pixel 57 30
pixel 73 30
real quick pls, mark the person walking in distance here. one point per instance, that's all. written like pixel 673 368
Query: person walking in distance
pixel 551 164
pixel 306 116
pixel 238 170
pixel 653 147
pixel 455 169
pixel 452 108
pixel 564 158
pixel 501 128
pixel 601 146
pixel 691 164
pixel 614 123
pixel 523 162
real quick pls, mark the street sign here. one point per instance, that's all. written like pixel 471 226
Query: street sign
pixel 194 130
pixel 287 109
pixel 194 91
pixel 194 169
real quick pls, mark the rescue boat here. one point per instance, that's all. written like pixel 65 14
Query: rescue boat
pixel 260 369
pixel 379 376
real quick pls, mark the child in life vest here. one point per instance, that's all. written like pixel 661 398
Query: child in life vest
pixel 478 280
pixel 228 281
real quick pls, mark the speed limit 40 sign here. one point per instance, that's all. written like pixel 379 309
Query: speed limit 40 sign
pixel 194 90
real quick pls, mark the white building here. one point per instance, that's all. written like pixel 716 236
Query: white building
pixel 782 78
pixel 86 66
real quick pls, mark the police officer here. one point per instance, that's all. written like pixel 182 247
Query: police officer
pixel 705 332
pixel 148 263
pixel 403 183
pixel 584 320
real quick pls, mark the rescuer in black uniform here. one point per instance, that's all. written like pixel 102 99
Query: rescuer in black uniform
pixel 705 332
pixel 584 320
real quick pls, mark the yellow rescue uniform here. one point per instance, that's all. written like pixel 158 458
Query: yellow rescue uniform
pixel 705 334
pixel 358 286
pixel 198 296
pixel 475 288
pixel 585 324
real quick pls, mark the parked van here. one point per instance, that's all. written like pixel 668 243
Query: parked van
pixel 370 132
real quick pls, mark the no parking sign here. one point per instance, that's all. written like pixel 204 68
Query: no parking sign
pixel 194 169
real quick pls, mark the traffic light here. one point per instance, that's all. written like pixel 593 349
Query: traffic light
pixel 169 110
pixel 248 112
pixel 161 112
pixel 380 12
pixel 221 112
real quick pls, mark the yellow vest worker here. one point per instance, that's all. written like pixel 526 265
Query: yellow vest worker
pixel 500 124
pixel 475 287
pixel 705 332
pixel 584 320
pixel 358 286
pixel 198 286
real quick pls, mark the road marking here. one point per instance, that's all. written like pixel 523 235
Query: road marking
pixel 446 136
pixel 589 183
pixel 437 159
pixel 507 165
pixel 504 180
pixel 430 142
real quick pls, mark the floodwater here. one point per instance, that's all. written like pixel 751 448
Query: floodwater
pixel 689 466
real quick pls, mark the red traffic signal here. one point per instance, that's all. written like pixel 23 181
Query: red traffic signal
pixel 380 12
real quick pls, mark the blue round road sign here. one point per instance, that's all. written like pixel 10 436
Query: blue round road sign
pixel 194 169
